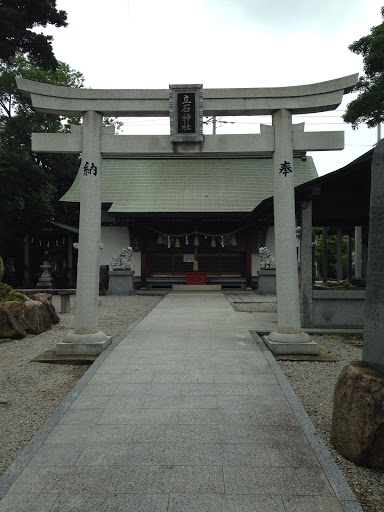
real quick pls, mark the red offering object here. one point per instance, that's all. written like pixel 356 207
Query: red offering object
pixel 196 278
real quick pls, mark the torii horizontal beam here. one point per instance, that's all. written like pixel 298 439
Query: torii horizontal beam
pixel 149 145
pixel 301 99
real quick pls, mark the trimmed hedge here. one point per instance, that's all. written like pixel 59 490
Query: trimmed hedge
pixel 7 293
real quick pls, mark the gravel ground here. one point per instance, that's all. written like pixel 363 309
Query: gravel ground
pixel 35 389
pixel 314 384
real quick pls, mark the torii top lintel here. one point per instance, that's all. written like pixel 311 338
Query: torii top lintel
pixel 301 99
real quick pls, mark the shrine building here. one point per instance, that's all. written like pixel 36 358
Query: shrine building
pixel 174 211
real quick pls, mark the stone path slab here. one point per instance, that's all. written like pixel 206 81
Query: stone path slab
pixel 187 412
pixel 251 298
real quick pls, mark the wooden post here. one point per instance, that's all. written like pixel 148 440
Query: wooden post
pixel 339 235
pixel 248 268
pixel 325 255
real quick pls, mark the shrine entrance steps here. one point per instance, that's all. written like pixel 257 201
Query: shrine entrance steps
pixel 196 287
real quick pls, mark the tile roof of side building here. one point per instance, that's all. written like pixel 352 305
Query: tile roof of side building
pixel 188 184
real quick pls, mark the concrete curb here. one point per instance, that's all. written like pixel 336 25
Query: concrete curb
pixel 22 460
pixel 336 479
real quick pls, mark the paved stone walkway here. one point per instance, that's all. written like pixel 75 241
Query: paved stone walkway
pixel 185 414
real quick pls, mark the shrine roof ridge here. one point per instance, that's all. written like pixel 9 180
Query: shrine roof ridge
pixel 132 185
pixel 155 102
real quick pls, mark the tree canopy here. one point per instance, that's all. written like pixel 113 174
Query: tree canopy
pixel 17 18
pixel 31 184
pixel 368 107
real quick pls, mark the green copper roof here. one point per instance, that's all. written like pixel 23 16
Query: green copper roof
pixel 189 184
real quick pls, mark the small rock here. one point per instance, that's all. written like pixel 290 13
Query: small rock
pixel 34 317
pixel 46 299
pixel 9 326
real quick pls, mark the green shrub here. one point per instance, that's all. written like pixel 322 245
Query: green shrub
pixel 332 254
pixel 8 293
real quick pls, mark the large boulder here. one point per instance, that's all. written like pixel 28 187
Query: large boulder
pixel 34 317
pixel 13 306
pixel 9 326
pixel 357 430
pixel 46 299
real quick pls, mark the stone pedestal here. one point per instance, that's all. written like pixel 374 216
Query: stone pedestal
pixel 120 282
pixel 291 343
pixel 266 281
pixel 87 344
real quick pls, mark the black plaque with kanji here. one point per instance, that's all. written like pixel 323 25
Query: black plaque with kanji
pixel 186 113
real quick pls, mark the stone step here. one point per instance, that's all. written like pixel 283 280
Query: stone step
pixel 196 287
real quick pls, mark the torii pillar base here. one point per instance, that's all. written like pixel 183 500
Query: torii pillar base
pixel 291 343
pixel 90 344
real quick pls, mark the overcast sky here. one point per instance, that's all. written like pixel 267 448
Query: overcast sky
pixel 221 43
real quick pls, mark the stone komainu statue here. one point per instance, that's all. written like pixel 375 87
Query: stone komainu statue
pixel 123 261
pixel 266 260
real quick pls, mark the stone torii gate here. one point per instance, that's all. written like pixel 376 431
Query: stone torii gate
pixel 279 140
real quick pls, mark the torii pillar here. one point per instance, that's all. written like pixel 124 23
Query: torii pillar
pixel 289 337
pixel 86 339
